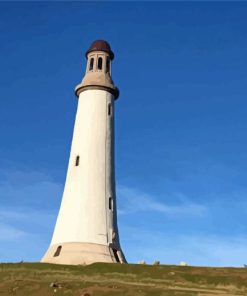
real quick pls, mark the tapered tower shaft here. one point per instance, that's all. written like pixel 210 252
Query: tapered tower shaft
pixel 86 229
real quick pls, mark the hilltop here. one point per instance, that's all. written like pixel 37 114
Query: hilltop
pixel 102 279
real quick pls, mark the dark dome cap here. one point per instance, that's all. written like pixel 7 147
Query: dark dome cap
pixel 101 45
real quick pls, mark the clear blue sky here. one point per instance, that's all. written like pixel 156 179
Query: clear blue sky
pixel 180 124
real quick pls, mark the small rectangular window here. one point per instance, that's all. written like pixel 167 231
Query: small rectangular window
pixel 110 203
pixel 58 251
pixel 109 110
pixel 77 160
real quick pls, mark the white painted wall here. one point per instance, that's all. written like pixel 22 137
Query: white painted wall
pixel 84 214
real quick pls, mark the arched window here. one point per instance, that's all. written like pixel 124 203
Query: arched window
pixel 77 160
pixel 91 64
pixel 100 63
pixel 58 251
pixel 107 65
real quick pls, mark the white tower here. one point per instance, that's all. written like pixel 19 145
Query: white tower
pixel 86 229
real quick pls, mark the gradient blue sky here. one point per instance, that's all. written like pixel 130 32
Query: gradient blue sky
pixel 180 124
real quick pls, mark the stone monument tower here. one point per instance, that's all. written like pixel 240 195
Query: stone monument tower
pixel 86 229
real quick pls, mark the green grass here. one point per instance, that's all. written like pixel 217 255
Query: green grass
pixel 102 279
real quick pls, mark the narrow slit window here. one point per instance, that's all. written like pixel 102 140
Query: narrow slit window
pixel 77 160
pixel 107 65
pixel 91 64
pixel 58 251
pixel 100 63
pixel 110 203
pixel 109 109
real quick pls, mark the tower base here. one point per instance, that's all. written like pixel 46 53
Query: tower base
pixel 82 253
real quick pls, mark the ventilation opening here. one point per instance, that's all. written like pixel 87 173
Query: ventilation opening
pixel 109 109
pixel 116 255
pixel 110 203
pixel 77 160
pixel 100 63
pixel 91 64
pixel 58 251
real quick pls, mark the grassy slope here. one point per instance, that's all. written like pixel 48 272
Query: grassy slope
pixel 115 279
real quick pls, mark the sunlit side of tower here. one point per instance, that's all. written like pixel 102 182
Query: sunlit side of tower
pixel 86 229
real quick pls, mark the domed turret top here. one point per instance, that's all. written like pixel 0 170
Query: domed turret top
pixel 101 45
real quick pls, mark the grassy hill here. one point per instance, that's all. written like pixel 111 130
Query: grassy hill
pixel 114 279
